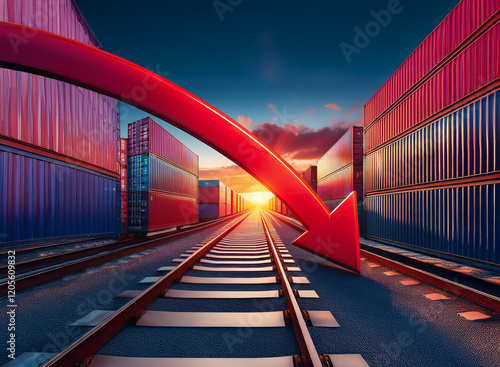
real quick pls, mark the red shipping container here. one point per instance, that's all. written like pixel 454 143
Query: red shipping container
pixel 473 68
pixel 73 122
pixel 147 136
pixel 463 20
pixel 167 211
pixel 212 192
pixel 124 210
pixel 123 179
pixel 123 152
pixel 348 149
pixel 340 184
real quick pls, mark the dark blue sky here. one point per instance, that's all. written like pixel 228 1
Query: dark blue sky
pixel 284 53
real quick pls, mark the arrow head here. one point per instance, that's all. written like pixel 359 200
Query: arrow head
pixel 335 237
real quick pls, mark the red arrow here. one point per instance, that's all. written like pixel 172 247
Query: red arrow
pixel 334 236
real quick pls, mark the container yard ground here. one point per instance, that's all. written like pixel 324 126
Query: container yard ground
pixel 45 313
pixel 391 324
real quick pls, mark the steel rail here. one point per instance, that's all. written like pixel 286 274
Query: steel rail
pixel 33 272
pixel 81 351
pixel 309 355
pixel 463 285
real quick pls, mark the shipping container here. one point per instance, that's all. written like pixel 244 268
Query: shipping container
pixel 124 212
pixel 123 187
pixel 209 211
pixel 461 220
pixel 229 209
pixel 310 175
pixel 233 202
pixel 472 69
pixel 147 137
pixel 162 179
pixel 147 172
pixel 341 183
pixel 459 145
pixel 154 211
pixel 44 199
pixel 213 192
pixel 348 149
pixel 458 26
pixel 123 152
pixel 340 169
pixel 432 159
pixel 53 118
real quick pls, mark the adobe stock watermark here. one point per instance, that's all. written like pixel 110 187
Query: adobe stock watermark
pixel 363 36
pixel 223 6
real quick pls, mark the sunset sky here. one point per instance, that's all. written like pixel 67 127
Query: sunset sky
pixel 279 67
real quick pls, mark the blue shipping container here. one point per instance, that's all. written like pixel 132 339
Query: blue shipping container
pixel 458 220
pixel 209 211
pixel 147 172
pixel 43 198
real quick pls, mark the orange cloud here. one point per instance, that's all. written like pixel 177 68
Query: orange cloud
pixel 333 106
pixel 246 122
pixel 271 106
pixel 310 112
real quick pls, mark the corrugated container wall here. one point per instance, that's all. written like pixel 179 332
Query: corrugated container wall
pixel 123 185
pixel 432 158
pixel 162 179
pixel 66 141
pixel 74 123
pixel 154 211
pixel 462 21
pixel 45 199
pixel 473 68
pixel 212 199
pixel 151 173
pixel 340 172
pixel 147 136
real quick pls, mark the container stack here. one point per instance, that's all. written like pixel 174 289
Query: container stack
pixel 278 206
pixel 124 185
pixel 431 141
pixel 310 175
pixel 218 200
pixel 59 144
pixel 340 171
pixel 229 208
pixel 212 199
pixel 162 179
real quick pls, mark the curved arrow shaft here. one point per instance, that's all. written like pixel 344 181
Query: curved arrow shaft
pixel 47 54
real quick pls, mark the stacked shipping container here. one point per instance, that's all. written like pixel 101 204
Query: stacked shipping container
pixel 340 171
pixel 55 136
pixel 217 200
pixel 432 158
pixel 162 179
pixel 124 185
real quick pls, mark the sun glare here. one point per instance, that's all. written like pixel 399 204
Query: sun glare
pixel 258 198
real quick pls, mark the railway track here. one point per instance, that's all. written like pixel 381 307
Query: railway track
pixel 243 255
pixel 468 286
pixel 32 272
